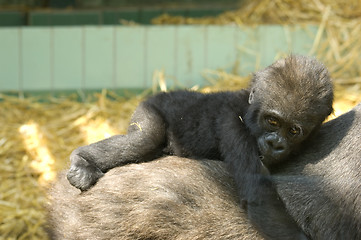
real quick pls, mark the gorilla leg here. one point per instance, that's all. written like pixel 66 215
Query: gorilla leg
pixel 144 141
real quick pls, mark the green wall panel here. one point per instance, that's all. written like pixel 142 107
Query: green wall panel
pixel 130 60
pixel 221 46
pixel 36 58
pixel 99 57
pixel 68 57
pixel 191 55
pixel 92 57
pixel 160 51
pixel 247 50
pixel 301 38
pixel 10 59
pixel 272 41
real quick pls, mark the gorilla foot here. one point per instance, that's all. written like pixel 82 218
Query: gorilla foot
pixel 83 174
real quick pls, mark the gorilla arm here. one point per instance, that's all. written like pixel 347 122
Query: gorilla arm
pixel 257 191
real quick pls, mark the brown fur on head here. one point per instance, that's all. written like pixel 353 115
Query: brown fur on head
pixel 299 87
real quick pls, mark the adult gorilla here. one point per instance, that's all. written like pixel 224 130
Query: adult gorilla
pixel 175 198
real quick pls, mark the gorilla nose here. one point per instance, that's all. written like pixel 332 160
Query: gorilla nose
pixel 275 143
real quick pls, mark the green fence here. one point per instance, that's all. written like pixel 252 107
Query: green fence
pixel 92 57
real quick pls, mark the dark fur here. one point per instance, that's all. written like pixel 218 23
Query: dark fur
pixel 188 199
pixel 285 104
pixel 321 189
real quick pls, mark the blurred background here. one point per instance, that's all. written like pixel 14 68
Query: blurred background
pixel 73 71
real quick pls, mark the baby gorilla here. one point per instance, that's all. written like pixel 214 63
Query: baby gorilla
pixel 248 129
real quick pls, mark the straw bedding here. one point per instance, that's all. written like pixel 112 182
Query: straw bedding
pixel 37 137
pixel 35 142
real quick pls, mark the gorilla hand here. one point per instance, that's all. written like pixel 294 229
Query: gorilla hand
pixel 82 173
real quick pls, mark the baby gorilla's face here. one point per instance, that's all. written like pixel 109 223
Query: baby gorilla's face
pixel 288 100
pixel 279 137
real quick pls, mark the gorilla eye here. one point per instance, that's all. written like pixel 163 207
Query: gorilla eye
pixel 273 121
pixel 294 131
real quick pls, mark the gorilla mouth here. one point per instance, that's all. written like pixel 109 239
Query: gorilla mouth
pixel 267 156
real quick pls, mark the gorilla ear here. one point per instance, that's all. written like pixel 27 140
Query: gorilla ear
pixel 251 97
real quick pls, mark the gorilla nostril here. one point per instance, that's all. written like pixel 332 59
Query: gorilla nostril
pixel 270 143
pixel 276 145
pixel 279 148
